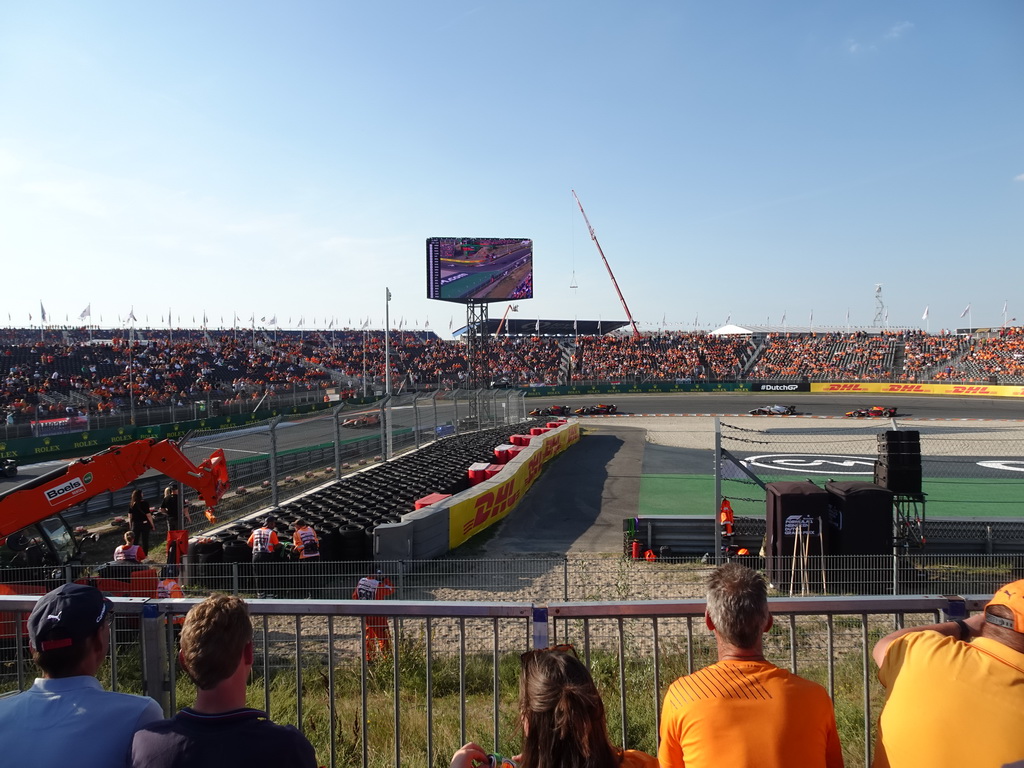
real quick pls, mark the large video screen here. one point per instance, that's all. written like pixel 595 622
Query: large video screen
pixel 466 269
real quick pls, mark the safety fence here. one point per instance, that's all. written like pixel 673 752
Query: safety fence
pixel 595 578
pixel 405 683
pixel 288 455
pixel 968 469
pixel 274 459
pixel 545 578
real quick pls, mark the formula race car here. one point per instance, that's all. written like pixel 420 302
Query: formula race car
pixel 601 409
pixel 366 420
pixel 874 412
pixel 551 410
pixel 774 410
pixel 8 468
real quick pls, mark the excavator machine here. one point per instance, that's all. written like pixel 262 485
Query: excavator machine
pixel 35 539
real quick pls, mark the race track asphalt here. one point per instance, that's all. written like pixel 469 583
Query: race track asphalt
pixel 578 503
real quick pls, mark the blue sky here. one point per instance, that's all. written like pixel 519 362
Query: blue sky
pixel 740 160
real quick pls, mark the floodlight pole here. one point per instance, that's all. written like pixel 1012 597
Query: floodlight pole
pixel 629 315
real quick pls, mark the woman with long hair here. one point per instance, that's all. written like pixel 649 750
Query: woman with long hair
pixel 563 718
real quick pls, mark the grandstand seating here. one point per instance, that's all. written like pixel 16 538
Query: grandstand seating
pixel 48 372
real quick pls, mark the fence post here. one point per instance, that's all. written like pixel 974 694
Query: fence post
pixel 416 419
pixel 565 578
pixel 433 437
pixel 154 657
pixel 337 440
pixel 236 586
pixel 540 626
pixel 273 460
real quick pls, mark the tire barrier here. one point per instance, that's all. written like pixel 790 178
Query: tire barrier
pixel 347 513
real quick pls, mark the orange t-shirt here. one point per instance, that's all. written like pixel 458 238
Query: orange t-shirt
pixel 748 714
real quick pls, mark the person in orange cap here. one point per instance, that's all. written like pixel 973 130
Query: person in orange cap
pixel 964 676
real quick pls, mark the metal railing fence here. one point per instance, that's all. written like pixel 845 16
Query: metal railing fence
pixel 448 671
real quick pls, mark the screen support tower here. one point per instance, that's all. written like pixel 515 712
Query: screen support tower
pixel 476 340
pixel 629 315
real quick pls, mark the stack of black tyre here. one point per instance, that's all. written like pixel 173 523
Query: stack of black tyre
pixel 345 513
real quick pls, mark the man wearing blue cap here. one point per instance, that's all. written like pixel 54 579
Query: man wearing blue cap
pixel 66 716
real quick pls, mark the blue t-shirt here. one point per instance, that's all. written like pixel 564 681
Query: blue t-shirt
pixel 71 721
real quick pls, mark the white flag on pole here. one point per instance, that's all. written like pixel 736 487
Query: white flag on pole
pixel 925 315
pixel 87 312
pixel 966 310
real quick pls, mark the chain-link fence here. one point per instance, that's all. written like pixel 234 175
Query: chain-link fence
pixel 545 578
pixel 968 469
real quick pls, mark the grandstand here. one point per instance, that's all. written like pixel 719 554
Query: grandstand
pixel 50 373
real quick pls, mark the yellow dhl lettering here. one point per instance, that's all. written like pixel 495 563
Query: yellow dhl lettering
pixel 492 504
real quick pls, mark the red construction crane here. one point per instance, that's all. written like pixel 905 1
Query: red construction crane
pixel 629 315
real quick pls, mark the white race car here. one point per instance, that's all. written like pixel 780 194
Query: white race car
pixel 774 410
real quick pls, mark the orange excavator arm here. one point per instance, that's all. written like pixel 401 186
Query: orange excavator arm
pixel 110 470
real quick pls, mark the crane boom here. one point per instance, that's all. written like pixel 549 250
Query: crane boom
pixel 111 469
pixel 629 315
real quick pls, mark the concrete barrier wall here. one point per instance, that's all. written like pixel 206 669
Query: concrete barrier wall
pixel 439 528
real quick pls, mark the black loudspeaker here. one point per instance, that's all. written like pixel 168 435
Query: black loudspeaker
pixel 792 506
pixel 861 523
pixel 900 479
pixel 860 518
pixel 898 468
pixel 900 448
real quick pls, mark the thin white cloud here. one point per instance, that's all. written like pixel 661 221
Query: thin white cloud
pixel 1019 178
pixel 891 35
pixel 896 31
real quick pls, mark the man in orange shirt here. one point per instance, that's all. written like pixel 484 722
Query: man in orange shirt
pixel 745 712
pixel 378 636
pixel 961 676
pixel 307 544
pixel 264 544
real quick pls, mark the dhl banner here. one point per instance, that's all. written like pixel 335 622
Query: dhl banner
pixel 493 499
pixel 981 390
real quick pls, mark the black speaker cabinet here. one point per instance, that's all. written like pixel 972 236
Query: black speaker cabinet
pixel 861 523
pixel 898 479
pixel 860 518
pixel 792 506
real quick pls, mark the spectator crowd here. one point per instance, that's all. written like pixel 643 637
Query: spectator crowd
pixel 52 374
pixel 965 674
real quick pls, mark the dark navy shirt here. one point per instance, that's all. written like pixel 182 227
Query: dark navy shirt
pixel 241 737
